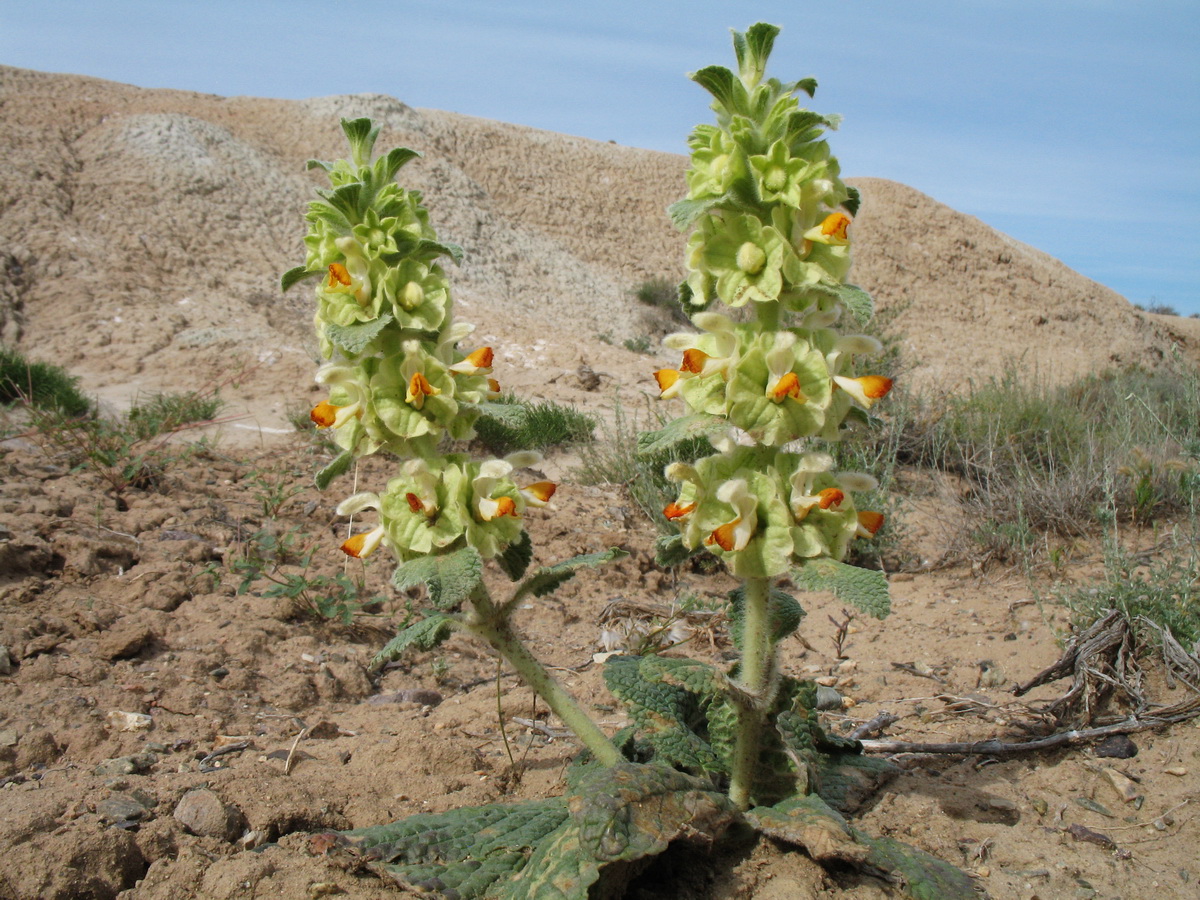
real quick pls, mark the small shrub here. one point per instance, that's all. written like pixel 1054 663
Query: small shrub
pixel 643 343
pixel 162 413
pixel 40 384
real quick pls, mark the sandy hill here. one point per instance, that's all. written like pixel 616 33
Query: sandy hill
pixel 142 234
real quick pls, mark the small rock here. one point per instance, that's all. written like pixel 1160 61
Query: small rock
pixel 324 731
pixel 6 664
pixel 1177 771
pixel 137 764
pixel 1118 746
pixel 1126 789
pixel 122 807
pixel 129 721
pixel 219 672
pixel 8 737
pixel 123 643
pixel 204 814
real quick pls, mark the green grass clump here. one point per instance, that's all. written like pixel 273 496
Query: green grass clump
pixel 614 459
pixel 162 413
pixel 510 423
pixel 663 294
pixel 1163 589
pixel 39 384
pixel 1061 459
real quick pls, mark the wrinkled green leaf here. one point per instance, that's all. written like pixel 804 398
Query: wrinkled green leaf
pixel 516 557
pixel 865 589
pixel 783 611
pixel 858 301
pixel 296 275
pixel 679 431
pixel 685 213
pixel 424 635
pixel 450 577
pixel 670 550
pixel 719 82
pixel 854 201
pixel 338 467
pixel 548 578
pixel 355 338
pixel 361 133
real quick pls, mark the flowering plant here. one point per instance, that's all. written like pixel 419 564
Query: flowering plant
pixel 399 384
pixel 772 221
pixel 706 750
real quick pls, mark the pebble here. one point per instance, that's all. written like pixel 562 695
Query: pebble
pixel 6 664
pixel 137 764
pixel 204 814
pixel 122 807
pixel 1177 771
pixel 1118 746
pixel 129 721
pixel 1126 789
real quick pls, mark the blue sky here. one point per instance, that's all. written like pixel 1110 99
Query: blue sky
pixel 1072 125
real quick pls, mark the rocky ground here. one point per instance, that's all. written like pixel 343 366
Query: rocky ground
pixel 157 725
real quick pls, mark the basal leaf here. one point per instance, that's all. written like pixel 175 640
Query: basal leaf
pixel 423 635
pixel 355 338
pixel 450 577
pixel 866 589
pixel 548 578
pixel 685 213
pixel 339 466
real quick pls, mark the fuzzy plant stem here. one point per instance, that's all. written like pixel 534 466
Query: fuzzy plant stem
pixel 490 624
pixel 757 664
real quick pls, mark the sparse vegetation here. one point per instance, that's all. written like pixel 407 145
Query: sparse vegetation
pixel 662 293
pixel 510 423
pixel 41 385
pixel 128 451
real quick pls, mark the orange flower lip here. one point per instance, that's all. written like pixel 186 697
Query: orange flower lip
pixel 693 361
pixel 323 414
pixel 493 386
pixel 506 506
pixel 355 545
pixel 875 386
pixel 414 502
pixel 870 521
pixel 676 511
pixel 835 226
pixel 481 357
pixel 338 275
pixel 541 490
pixel 830 497
pixel 723 536
pixel 666 378
pixel 418 389
pixel 788 386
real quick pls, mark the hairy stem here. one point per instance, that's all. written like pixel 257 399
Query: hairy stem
pixel 757 663
pixel 491 625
